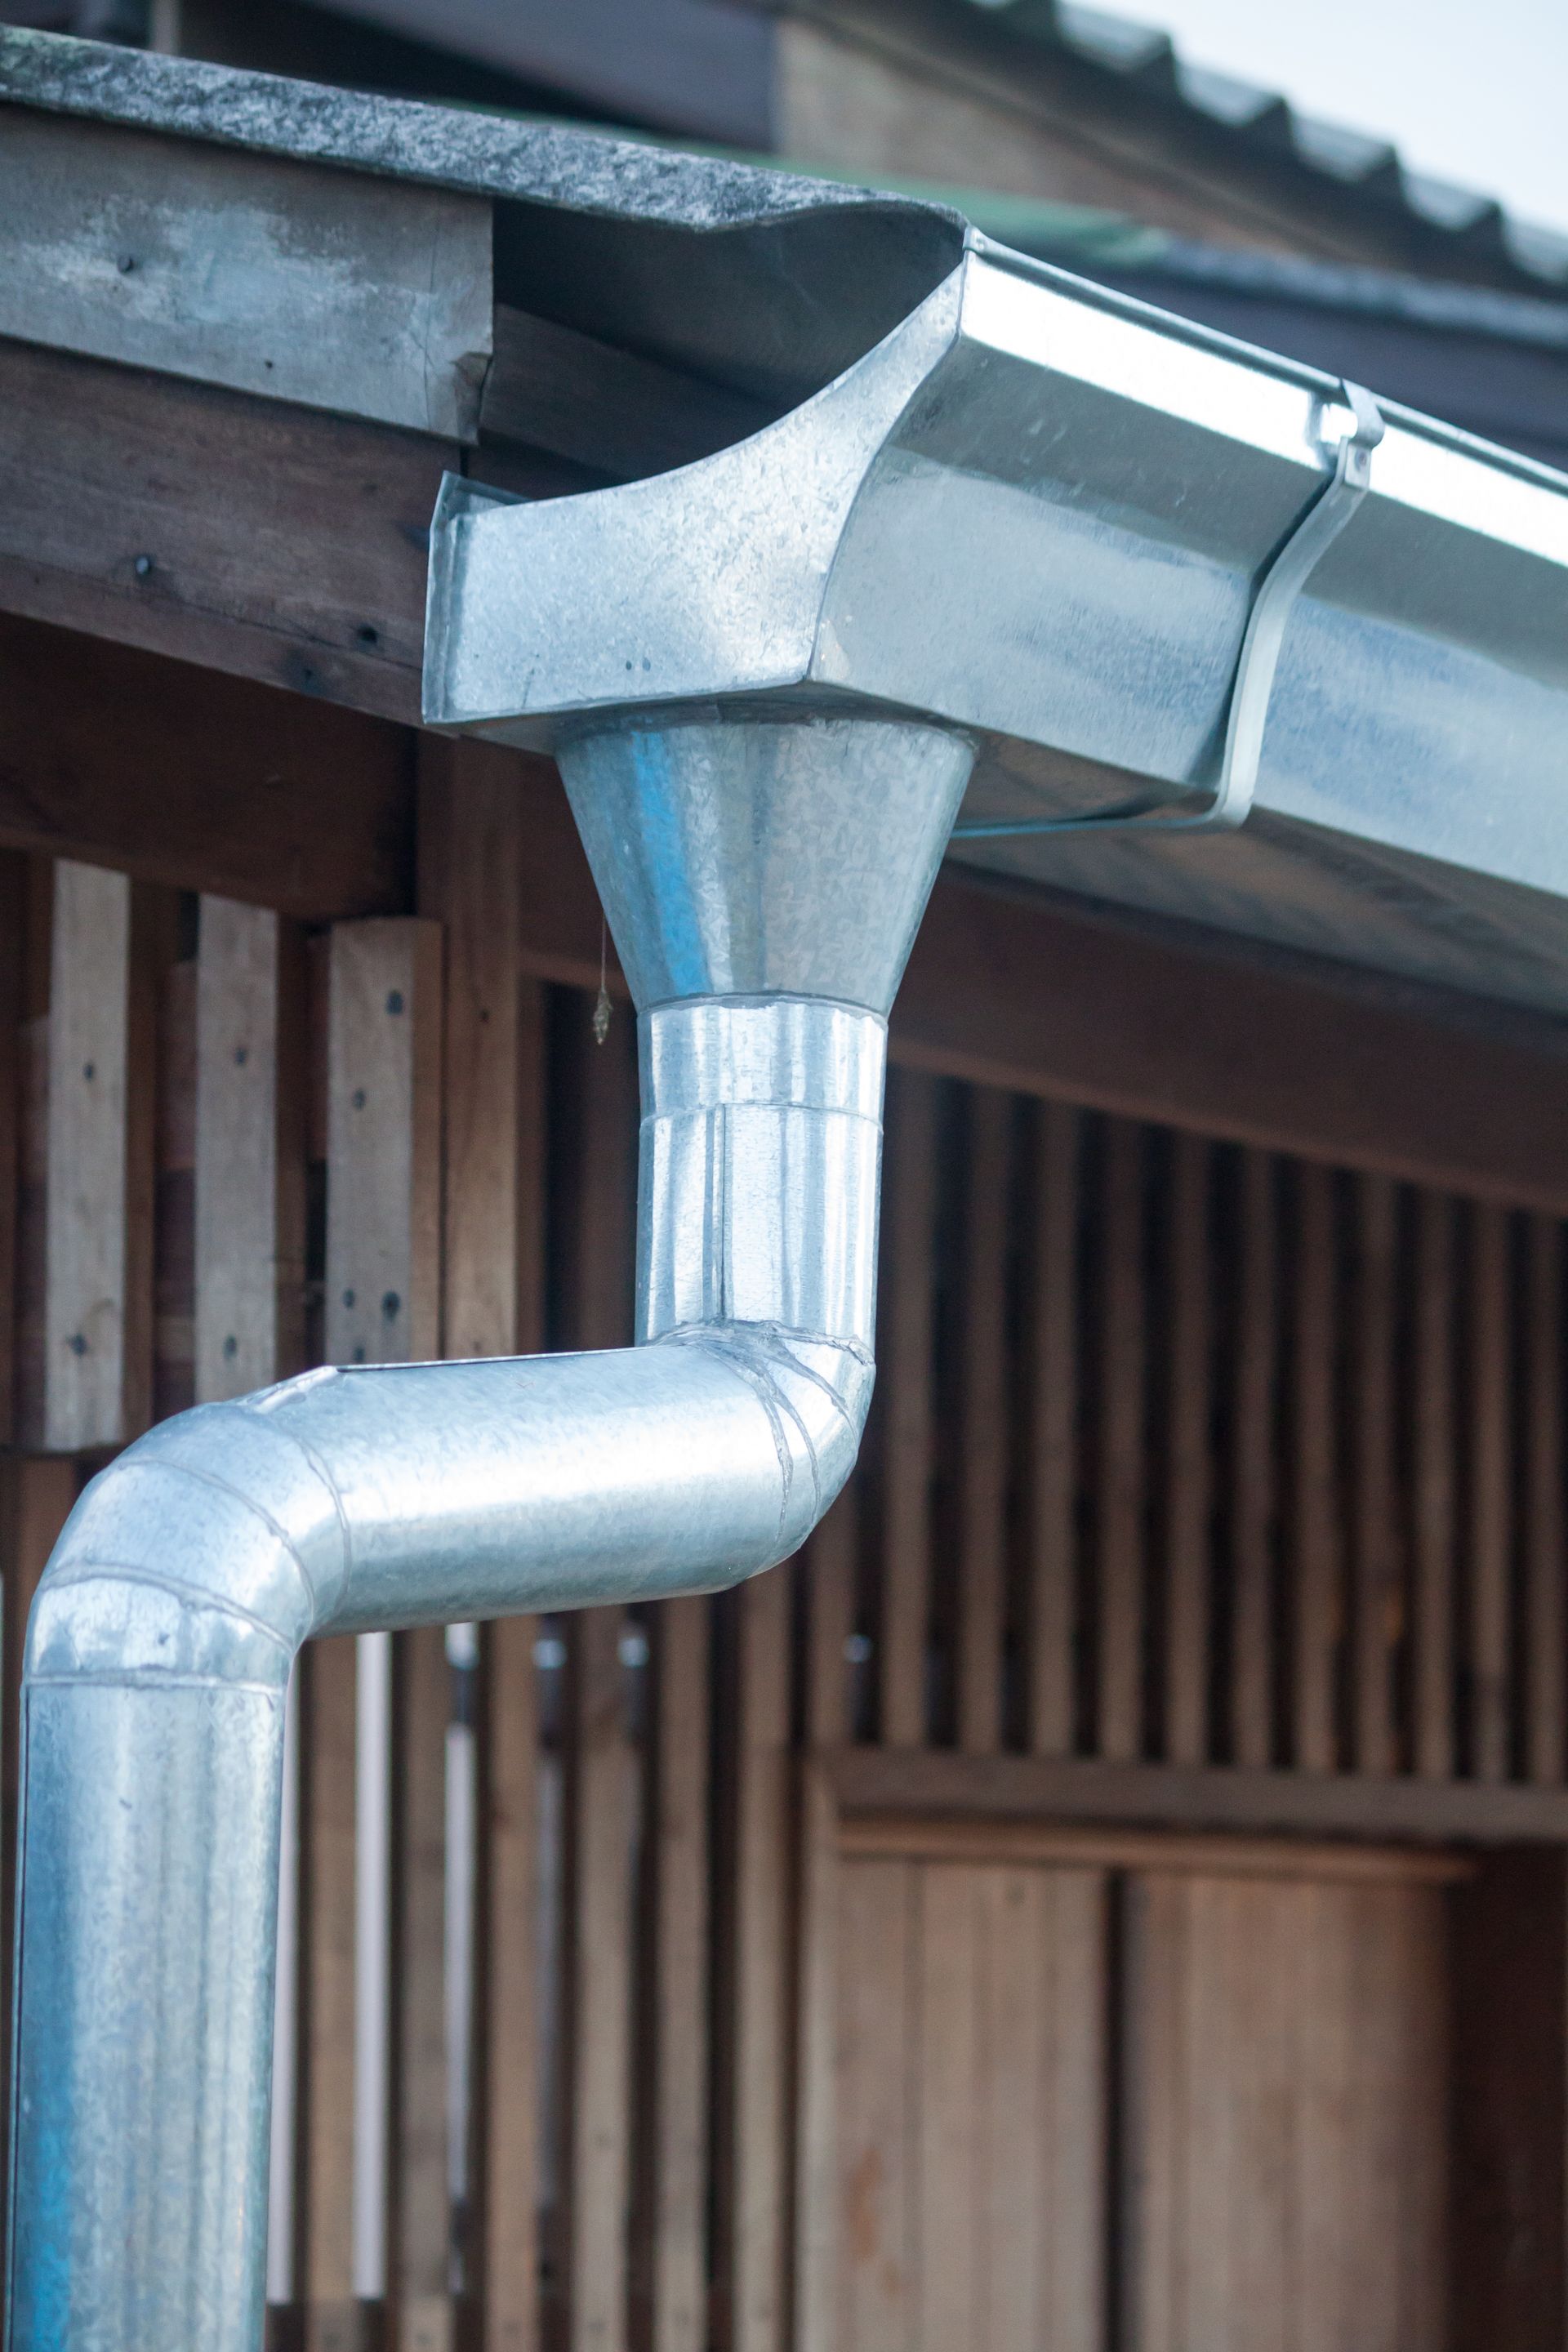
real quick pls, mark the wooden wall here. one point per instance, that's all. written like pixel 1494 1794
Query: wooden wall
pixel 1205 1484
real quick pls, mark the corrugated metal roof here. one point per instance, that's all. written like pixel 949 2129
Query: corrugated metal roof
pixel 1147 58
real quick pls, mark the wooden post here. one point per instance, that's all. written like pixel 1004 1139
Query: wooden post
pixel 98 1274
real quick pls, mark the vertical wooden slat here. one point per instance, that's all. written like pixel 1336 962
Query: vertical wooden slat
pixel 676 2260
pixel 600 1789
pixel 1377 1531
pixel 757 2139
pixel 174 1194
pixel 250 1150
pixel 1252 1499
pixel 421 2204
pixel 830 1603
pixel 97 1316
pixel 1053 1434
pixel 599 1797
pixel 508 2252
pixel 1188 1470
pixel 1489 1513
pixel 327 1758
pixel 384 1129
pixel 1545 1563
pixel 1121 1462
pixel 13 942
pixel 817 2044
pixel 904 1350
pixel 36 1493
pixel 510 2061
pixel 470 873
pixel 981 1563
pixel 1433 1439
pixel 1315 1545
pixel 383 1052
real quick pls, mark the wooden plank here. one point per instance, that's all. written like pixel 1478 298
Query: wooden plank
pixel 493 1077
pixel 283 278
pixel 950 2184
pixel 174 1193
pixel 980 1567
pixel 1327 1804
pixel 1252 1498
pixel 420 2280
pixel 1033 990
pixel 181 775
pixel 1432 1440
pixel 754 2246
pixel 914 1837
pixel 558 390
pixel 509 2250
pixel 13 905
pixel 470 859
pixel 250 1150
pixel 1544 1505
pixel 332 2319
pixel 383 1057
pixel 36 1493
pixel 97 1310
pixel 869 2246
pixel 675 2258
pixel 1053 1343
pixel 1491 1495
pixel 1293 2128
pixel 1315 1547
pixel 601 1791
pixel 1511 2105
pixel 1376 1538
pixel 1189 1470
pixel 286 545
pixel 831 1559
pixel 1119 1500
pixel 599 1801
pixel 816 2137
pixel 905 1371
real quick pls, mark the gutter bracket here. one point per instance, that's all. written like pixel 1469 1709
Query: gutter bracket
pixel 1282 582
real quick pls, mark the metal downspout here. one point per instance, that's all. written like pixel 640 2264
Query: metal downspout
pixel 763 880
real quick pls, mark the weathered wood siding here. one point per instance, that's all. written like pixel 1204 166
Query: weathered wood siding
pixel 1195 1467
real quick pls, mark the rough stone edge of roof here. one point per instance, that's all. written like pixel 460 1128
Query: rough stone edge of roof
pixel 1266 119
pixel 406 139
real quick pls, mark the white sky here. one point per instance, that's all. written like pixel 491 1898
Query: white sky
pixel 1473 93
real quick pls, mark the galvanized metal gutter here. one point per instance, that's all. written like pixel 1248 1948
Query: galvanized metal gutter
pixel 1041 513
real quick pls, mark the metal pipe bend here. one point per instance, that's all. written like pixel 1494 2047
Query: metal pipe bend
pixel 419 1494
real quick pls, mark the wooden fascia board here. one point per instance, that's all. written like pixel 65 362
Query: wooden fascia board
pixel 285 279
pixel 248 535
